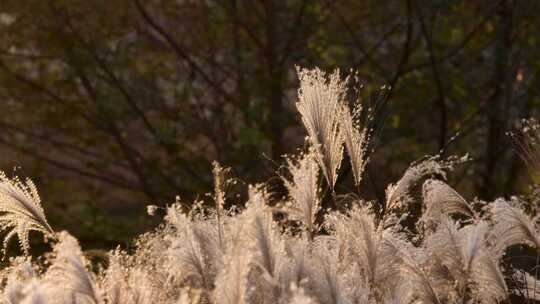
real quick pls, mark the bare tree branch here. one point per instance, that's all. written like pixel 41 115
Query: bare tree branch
pixel 117 181
pixel 440 90
pixel 179 50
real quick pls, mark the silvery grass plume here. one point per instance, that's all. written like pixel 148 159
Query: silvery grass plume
pixel 232 282
pixel 296 271
pixel 513 226
pixel 326 278
pixel 194 253
pixel 362 245
pixel 319 100
pixel 303 190
pixel 128 281
pixel 266 239
pixel 464 253
pixel 399 194
pixel 21 211
pixel 114 279
pixel 67 279
pixel 356 139
pixel 412 268
pixel 491 285
pixel 441 199
pixel 17 277
pixel 145 288
pixel 143 275
pixel 221 178
pixel 403 192
pixel 402 293
pixel 267 246
pixel 32 292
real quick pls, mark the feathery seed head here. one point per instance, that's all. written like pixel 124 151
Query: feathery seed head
pixel 303 190
pixel 319 99
pixel 20 210
pixel 440 199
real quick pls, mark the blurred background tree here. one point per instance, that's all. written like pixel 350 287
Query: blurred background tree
pixel 112 105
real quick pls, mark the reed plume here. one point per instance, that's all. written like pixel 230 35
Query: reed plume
pixel 21 211
pixel 319 101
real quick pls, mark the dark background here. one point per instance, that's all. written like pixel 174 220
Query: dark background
pixel 113 105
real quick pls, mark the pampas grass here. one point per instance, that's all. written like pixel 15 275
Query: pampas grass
pixel 399 194
pixel 68 270
pixel 441 200
pixel 21 211
pixel 356 138
pixel 304 191
pixel 292 250
pixel 513 226
pixel 319 100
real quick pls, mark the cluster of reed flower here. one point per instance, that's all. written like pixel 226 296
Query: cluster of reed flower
pixel 355 254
